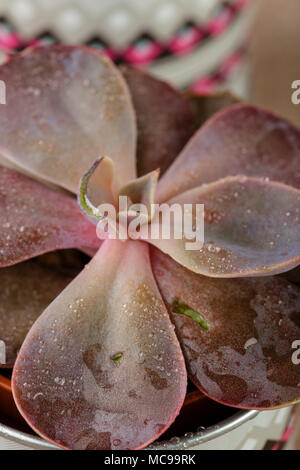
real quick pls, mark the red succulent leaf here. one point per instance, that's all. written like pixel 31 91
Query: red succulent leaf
pixel 102 368
pixel 66 106
pixel 252 228
pixel 141 191
pixel 35 219
pixel 245 356
pixel 239 140
pixel 26 290
pixel 165 120
pixel 205 106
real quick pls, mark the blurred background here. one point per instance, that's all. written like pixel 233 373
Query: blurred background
pixel 251 47
pixel 248 46
pixel 275 55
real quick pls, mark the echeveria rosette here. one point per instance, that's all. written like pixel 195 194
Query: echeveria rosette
pixel 105 365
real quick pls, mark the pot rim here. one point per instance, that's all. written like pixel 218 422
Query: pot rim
pixel 185 442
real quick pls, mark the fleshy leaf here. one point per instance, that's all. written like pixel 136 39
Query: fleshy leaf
pixel 67 383
pixel 66 105
pixel 26 290
pixel 165 120
pixel 252 228
pixel 97 187
pixel 142 191
pixel 35 219
pixel 205 106
pixel 241 140
pixel 246 358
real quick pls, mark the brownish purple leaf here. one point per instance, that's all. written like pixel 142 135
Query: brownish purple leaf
pixel 205 106
pixel 35 219
pixel 26 290
pixel 252 228
pixel 102 368
pixel 241 140
pixel 247 356
pixel 165 120
pixel 66 106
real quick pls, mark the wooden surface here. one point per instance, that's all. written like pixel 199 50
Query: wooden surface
pixel 275 56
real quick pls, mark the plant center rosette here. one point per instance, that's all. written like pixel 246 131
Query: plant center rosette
pixel 104 365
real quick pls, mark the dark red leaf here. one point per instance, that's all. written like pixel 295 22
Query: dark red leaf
pixel 66 106
pixel 26 290
pixel 102 368
pixel 35 219
pixel 248 355
pixel 241 140
pixel 164 118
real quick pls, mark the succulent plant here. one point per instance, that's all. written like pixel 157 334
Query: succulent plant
pixel 105 365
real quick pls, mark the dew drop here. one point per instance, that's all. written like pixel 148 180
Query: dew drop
pixel 59 380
